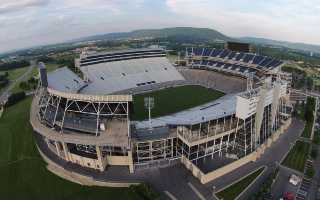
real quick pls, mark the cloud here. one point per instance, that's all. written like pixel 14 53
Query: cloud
pixel 277 19
pixel 60 20
pixel 27 23
pixel 8 6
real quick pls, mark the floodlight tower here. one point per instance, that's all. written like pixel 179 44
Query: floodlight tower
pixel 149 104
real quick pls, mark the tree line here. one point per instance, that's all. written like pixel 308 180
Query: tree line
pixel 14 65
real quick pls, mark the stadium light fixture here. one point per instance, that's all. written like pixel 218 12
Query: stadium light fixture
pixel 149 104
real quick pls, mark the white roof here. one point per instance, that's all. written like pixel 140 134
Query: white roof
pixel 110 77
pixel 64 80
pixel 224 106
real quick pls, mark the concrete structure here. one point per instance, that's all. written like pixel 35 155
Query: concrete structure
pixel 94 130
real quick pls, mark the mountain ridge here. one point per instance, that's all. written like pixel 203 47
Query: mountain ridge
pixel 197 34
pixel 291 45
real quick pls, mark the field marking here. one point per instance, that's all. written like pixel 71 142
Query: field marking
pixel 194 189
pixel 170 195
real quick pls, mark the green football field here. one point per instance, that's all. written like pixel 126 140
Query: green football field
pixel 23 174
pixel 172 100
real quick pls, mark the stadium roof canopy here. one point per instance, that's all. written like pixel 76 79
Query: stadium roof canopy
pixel 222 107
pixel 64 80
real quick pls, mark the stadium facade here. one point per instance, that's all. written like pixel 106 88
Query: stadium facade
pixel 84 117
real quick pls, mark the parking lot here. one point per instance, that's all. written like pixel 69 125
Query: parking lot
pixel 303 190
pixel 282 185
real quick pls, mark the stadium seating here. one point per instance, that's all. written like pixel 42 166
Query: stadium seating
pixel 111 77
pixel 228 61
pixel 64 80
pixel 214 80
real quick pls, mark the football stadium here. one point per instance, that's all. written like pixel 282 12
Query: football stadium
pixel 135 109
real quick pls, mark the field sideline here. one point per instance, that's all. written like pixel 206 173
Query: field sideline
pixel 172 100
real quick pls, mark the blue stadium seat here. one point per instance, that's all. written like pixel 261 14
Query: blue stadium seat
pixel 206 52
pixel 231 55
pixel 265 62
pixel 239 56
pixel 248 58
pixel 216 52
pixel 257 59
pixel 224 53
pixel 204 62
pixel 197 51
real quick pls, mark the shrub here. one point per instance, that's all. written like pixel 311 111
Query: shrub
pixel 314 152
pixel 15 98
pixel 145 192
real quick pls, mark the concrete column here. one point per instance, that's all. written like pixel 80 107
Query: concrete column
pixel 130 161
pixel 66 151
pixel 102 162
pixel 57 148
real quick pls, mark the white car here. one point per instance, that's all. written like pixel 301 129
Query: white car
pixel 294 179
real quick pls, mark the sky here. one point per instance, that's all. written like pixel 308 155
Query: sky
pixel 27 23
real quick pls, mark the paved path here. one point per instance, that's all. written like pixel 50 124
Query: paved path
pixel 195 190
pixel 6 93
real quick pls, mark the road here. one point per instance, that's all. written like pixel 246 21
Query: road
pixel 6 93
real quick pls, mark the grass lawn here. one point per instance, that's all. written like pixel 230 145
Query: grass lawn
pixel 310 172
pixel 23 172
pixel 173 100
pixel 307 130
pixel 52 66
pixel 16 73
pixel 235 189
pixel 316 137
pixel 297 156
pixel 301 111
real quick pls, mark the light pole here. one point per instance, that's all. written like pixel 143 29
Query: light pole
pixel 149 104
pixel 214 191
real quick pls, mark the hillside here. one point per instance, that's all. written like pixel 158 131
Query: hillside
pixel 202 34
pixel 290 45
pixel 196 35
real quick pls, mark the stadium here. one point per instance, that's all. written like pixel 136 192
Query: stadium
pixel 134 108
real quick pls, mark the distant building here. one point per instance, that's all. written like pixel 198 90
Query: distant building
pixel 238 46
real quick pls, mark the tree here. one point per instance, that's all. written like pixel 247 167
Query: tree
pixel 15 98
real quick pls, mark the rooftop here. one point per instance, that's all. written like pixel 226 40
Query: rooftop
pixel 224 106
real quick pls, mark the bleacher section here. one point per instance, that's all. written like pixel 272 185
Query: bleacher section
pixel 214 80
pixel 237 63
pixel 114 56
pixel 131 69
pixel 64 80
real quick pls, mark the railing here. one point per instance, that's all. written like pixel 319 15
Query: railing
pixel 193 136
